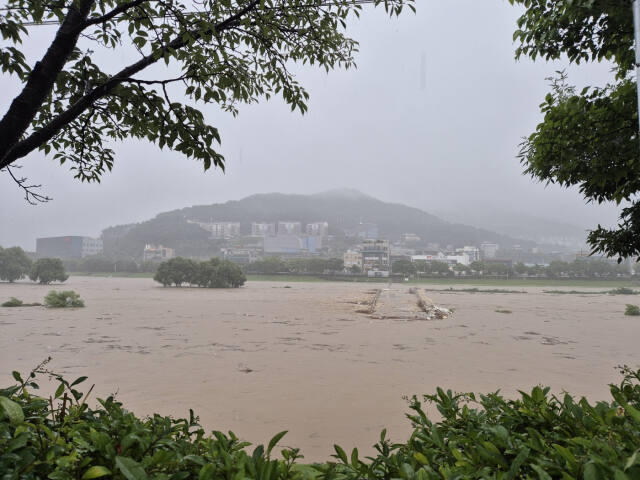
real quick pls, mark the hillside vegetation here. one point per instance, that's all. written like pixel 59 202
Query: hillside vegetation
pixel 343 210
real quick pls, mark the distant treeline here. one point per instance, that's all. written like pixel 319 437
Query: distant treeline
pixel 106 265
pixel 15 265
pixel 273 265
pixel 580 268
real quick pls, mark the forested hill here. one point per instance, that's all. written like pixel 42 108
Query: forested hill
pixel 342 209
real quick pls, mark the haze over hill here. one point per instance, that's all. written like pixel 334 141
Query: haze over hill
pixel 343 209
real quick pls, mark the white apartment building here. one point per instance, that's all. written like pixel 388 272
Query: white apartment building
pixel 263 229
pixel 318 229
pixel 289 228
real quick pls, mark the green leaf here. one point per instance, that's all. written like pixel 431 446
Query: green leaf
pixel 96 472
pixel 131 469
pixel 12 410
pixel 542 475
pixel 591 472
pixel 59 391
pixel 78 380
pixel 341 454
pixel 274 441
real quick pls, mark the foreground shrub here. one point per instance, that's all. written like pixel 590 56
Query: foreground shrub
pixel 64 299
pixel 536 436
pixel 66 439
pixel 632 310
pixel 47 270
pixel 214 273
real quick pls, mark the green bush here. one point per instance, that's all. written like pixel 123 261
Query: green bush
pixel 64 299
pixel 623 291
pixel 65 439
pixel 632 310
pixel 13 302
pixel 536 436
pixel 47 270
pixel 16 302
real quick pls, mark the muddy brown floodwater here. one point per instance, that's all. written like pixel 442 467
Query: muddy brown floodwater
pixel 316 359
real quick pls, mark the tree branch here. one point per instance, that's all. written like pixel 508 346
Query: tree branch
pixel 30 195
pixel 25 106
pixel 116 11
pixel 33 141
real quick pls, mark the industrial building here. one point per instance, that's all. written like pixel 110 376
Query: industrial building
pixel 67 247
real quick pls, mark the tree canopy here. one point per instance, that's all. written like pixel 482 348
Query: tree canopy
pixel 589 138
pixel 14 264
pixel 218 52
pixel 47 270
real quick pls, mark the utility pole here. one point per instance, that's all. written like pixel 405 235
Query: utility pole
pixel 636 28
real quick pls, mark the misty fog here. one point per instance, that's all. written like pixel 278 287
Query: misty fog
pixel 431 118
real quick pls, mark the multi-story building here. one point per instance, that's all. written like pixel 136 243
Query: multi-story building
pixel 263 229
pixel 318 229
pixel 352 258
pixel 157 253
pixel 220 229
pixel 225 229
pixel 489 250
pixel 289 228
pixel 68 247
pixel 375 255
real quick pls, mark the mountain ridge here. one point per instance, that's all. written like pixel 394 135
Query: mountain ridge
pixel 343 209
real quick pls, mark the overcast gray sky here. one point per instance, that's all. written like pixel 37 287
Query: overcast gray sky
pixel 443 138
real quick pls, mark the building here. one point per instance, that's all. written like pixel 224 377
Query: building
pixel 289 228
pixel 363 230
pixel 352 258
pixel 489 250
pixel 220 229
pixel 68 247
pixel 263 229
pixel 375 255
pixel 318 229
pixel 410 238
pixel 292 244
pixel 472 252
pixel 241 255
pixel 157 253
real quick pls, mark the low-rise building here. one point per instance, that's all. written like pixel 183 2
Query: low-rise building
pixel 352 258
pixel 68 247
pixel 155 253
pixel 241 255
